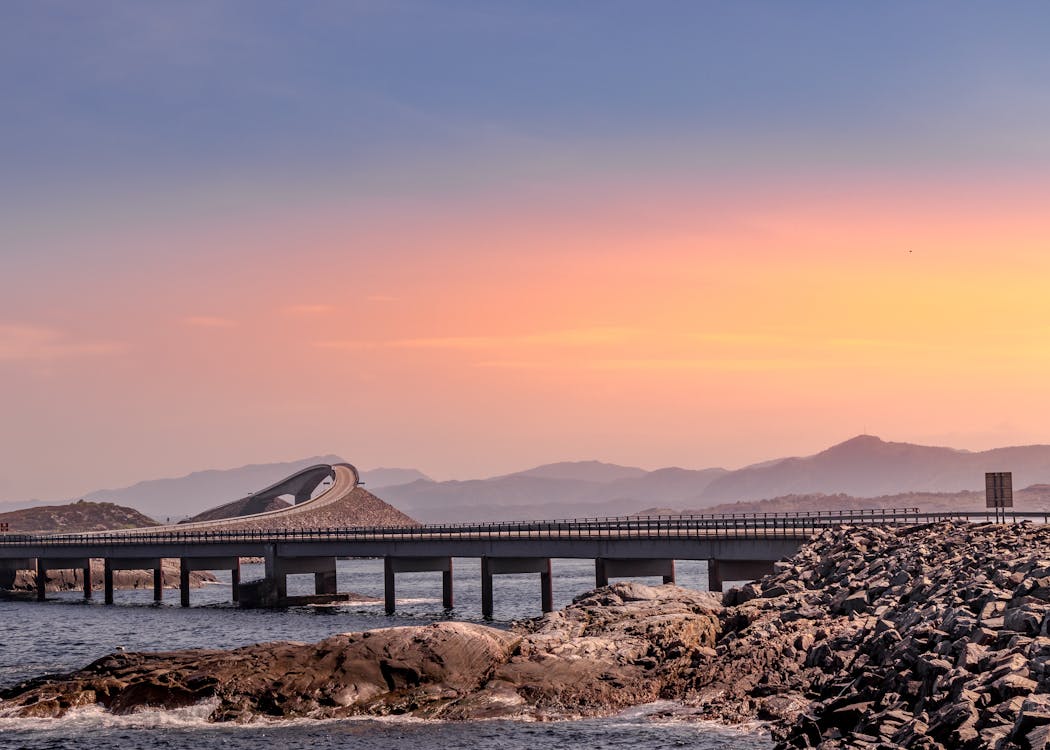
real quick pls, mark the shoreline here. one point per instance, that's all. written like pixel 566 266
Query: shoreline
pixel 933 636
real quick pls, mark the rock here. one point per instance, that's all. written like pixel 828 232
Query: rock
pixel 620 646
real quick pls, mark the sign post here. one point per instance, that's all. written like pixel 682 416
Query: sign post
pixel 999 492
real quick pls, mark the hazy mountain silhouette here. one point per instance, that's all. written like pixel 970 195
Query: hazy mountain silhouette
pixel 862 467
pixel 385 477
pixel 586 471
pixel 534 494
pixel 866 466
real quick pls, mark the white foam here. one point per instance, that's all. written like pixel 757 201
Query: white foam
pixel 193 717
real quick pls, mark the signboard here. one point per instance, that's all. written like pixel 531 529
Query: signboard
pixel 999 489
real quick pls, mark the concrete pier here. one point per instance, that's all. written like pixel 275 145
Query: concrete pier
pixel 9 568
pixel 189 564
pixel 279 568
pixel 44 564
pixel 394 565
pixel 607 567
pixel 719 571
pixel 491 566
pixel 131 563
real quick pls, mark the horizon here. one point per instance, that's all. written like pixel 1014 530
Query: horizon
pixel 431 478
pixel 466 239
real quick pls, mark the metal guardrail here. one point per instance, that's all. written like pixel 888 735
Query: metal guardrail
pixel 757 525
pixel 736 526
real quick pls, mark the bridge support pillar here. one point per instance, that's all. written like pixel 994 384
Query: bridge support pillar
pixel 607 567
pixel 111 564
pixel 184 582
pixel 41 579
pixel 714 575
pixel 107 581
pixel 394 565
pixel 87 579
pixel 158 584
pixel 9 568
pixel 279 568
pixel 44 564
pixel 491 566
pixel 189 564
pixel 720 571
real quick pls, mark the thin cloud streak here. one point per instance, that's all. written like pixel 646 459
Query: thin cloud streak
pixel 35 343
pixel 208 321
pixel 569 337
pixel 308 309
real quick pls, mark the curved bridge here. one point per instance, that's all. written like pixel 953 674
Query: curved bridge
pixel 301 485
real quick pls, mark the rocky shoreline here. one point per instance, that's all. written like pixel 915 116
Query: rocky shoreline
pixel 928 637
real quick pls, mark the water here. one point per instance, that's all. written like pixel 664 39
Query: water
pixel 66 633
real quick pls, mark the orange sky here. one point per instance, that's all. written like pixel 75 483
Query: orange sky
pixel 699 329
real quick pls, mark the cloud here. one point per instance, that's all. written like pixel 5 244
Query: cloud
pixel 382 298
pixel 208 321
pixel 660 364
pixel 28 343
pixel 565 338
pixel 308 309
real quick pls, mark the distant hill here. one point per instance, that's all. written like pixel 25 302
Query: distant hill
pixel 74 517
pixel 185 496
pixel 531 495
pixel 866 466
pixel 584 471
pixel 1033 498
pixel 383 477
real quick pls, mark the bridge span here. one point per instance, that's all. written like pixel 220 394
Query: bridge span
pixel 736 547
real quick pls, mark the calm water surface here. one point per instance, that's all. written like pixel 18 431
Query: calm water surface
pixel 66 633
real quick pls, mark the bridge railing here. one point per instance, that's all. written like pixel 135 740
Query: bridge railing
pixel 745 525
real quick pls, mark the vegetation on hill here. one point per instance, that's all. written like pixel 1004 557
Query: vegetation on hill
pixel 79 516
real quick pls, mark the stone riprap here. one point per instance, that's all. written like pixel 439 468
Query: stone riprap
pixel 927 637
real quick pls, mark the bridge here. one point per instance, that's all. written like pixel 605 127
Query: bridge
pixel 735 546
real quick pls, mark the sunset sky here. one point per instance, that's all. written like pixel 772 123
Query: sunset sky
pixel 471 237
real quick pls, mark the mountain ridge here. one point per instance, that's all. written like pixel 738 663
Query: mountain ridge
pixel 863 466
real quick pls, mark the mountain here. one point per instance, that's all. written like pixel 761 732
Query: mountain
pixel 866 466
pixel 383 477
pixel 1034 498
pixel 584 471
pixel 551 491
pixel 74 517
pixel 180 497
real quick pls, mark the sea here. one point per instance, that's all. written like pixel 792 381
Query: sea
pixel 66 633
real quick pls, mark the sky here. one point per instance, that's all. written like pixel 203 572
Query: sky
pixel 472 237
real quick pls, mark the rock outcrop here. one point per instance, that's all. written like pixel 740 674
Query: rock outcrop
pixel 616 647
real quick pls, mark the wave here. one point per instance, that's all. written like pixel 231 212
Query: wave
pixel 190 717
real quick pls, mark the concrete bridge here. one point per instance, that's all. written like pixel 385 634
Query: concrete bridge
pixel 736 547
